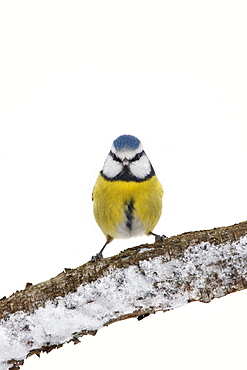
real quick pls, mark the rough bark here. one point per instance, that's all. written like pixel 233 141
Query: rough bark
pixel 172 249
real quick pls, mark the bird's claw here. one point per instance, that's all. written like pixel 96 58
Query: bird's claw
pixel 160 238
pixel 97 257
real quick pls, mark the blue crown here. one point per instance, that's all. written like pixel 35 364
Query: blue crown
pixel 126 141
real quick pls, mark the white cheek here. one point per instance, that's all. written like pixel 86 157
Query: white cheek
pixel 141 168
pixel 111 168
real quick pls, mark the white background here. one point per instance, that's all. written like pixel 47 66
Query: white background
pixel 74 75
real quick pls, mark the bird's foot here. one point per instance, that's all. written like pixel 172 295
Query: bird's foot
pixel 160 238
pixel 97 257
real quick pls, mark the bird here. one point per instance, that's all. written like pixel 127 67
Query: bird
pixel 127 196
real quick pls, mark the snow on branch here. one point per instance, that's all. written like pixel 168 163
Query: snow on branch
pixel 194 266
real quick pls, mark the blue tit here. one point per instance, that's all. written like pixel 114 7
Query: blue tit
pixel 127 195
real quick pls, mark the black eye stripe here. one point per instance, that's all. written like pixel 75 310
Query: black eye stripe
pixel 136 157
pixel 114 157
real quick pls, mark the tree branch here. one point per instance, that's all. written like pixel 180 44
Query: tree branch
pixel 194 266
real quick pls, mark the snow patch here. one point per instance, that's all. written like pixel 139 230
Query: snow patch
pixel 145 250
pixel 154 283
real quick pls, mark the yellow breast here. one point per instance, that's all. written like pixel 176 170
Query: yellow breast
pixel 127 208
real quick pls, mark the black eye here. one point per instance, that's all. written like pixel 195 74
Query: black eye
pixel 137 156
pixel 114 157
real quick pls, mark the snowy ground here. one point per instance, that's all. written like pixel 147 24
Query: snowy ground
pixel 159 283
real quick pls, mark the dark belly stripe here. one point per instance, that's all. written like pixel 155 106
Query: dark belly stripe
pixel 129 214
